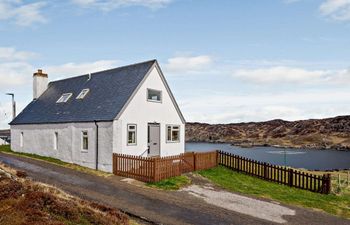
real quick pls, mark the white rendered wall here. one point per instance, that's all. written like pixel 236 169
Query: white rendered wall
pixel 39 86
pixel 141 112
pixel 39 139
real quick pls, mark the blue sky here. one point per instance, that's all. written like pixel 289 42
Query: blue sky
pixel 226 61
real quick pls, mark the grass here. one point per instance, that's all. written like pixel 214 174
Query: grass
pixel 173 183
pixel 6 149
pixel 237 182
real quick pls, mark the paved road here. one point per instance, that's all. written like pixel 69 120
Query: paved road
pixel 161 207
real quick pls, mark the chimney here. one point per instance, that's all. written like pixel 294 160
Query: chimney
pixel 40 82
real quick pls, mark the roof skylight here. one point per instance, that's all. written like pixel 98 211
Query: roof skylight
pixel 64 98
pixel 83 93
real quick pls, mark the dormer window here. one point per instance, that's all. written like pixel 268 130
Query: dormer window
pixel 83 93
pixel 64 98
pixel 154 95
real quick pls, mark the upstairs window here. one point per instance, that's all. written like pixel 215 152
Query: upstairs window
pixel 131 134
pixel 64 98
pixel 173 133
pixel 83 93
pixel 154 95
pixel 85 140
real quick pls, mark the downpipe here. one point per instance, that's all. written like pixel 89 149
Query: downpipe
pixel 96 144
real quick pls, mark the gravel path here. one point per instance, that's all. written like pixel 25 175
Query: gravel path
pixel 260 209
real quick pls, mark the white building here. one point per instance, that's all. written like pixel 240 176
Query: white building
pixel 85 119
pixel 5 137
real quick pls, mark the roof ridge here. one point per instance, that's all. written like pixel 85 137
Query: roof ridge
pixel 102 71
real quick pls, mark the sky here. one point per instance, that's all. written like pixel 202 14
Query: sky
pixel 226 61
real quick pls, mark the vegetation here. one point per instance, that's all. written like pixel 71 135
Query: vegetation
pixel 23 201
pixel 337 204
pixel 6 149
pixel 173 183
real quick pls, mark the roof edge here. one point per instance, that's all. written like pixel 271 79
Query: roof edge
pixel 102 71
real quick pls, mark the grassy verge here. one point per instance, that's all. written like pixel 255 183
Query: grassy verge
pixel 173 183
pixel 6 149
pixel 233 181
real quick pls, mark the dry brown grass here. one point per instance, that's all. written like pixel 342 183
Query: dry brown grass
pixel 24 202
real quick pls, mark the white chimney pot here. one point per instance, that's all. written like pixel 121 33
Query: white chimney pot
pixel 40 82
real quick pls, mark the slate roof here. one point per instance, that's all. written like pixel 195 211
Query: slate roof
pixel 109 92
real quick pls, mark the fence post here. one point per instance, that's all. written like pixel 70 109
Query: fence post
pixel 290 179
pixel 115 164
pixel 155 169
pixel 194 161
pixel 265 170
pixel 326 187
pixel 217 158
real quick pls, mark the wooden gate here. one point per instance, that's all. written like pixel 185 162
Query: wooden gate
pixel 187 162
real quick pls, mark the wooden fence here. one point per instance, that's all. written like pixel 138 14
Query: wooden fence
pixel 158 168
pixel 278 174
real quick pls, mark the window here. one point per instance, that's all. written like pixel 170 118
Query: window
pixel 21 139
pixel 131 134
pixel 154 95
pixel 85 140
pixel 64 98
pixel 55 141
pixel 83 93
pixel 173 133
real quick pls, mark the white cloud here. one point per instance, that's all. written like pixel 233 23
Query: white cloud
pixel 288 75
pixel 21 13
pixel 107 5
pixel 74 69
pixel 11 54
pixel 227 108
pixel 14 74
pixel 336 9
pixel 188 64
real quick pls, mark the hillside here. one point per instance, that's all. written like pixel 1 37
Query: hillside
pixel 330 133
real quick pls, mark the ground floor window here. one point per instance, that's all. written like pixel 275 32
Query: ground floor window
pixel 21 139
pixel 173 133
pixel 85 140
pixel 132 134
pixel 55 141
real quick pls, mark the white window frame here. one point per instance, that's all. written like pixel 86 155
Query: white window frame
pixel 83 93
pixel 130 130
pixel 171 133
pixel 21 139
pixel 64 97
pixel 152 100
pixel 82 140
pixel 55 140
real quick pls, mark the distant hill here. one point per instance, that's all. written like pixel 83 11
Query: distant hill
pixel 330 133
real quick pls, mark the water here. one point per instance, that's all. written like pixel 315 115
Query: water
pixel 297 158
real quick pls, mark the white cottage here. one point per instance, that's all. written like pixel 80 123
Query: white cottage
pixel 85 119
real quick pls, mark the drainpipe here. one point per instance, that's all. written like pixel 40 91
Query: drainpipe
pixel 96 144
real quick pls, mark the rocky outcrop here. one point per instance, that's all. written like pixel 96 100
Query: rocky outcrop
pixel 330 133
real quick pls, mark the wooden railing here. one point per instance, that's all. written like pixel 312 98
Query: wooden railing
pixel 158 168
pixel 278 174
